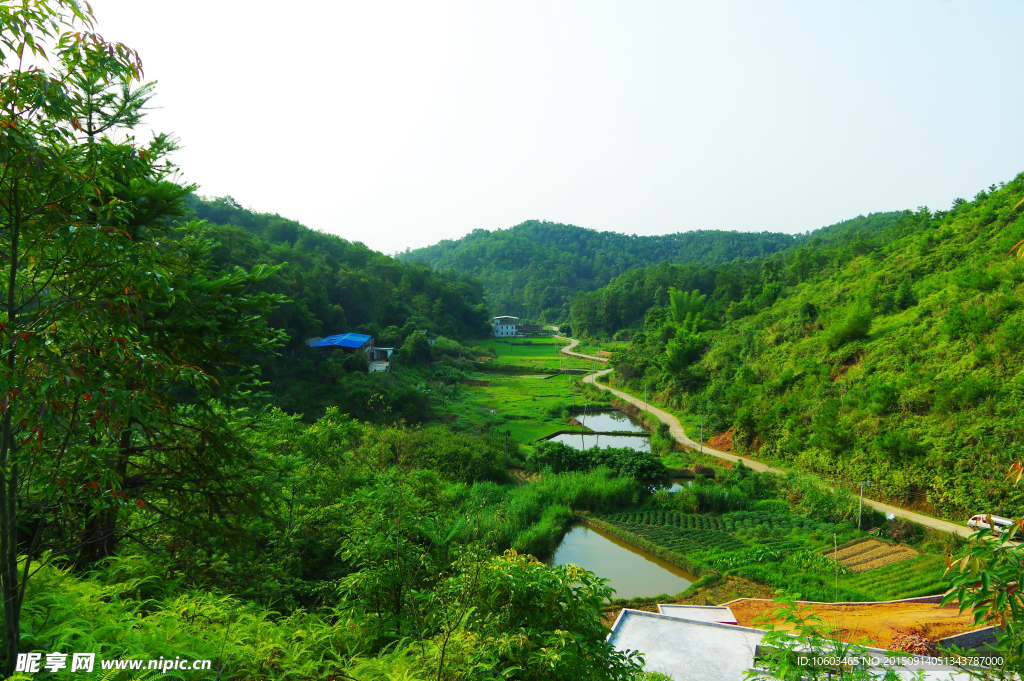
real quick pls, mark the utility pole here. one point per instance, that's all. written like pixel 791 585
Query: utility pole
pixel 860 509
pixel 645 395
pixel 702 433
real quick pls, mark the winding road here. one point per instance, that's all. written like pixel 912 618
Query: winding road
pixel 679 434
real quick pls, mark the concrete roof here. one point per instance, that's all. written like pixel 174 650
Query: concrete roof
pixel 699 613
pixel 685 650
pixel 689 650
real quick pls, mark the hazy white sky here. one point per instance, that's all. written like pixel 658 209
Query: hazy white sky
pixel 402 123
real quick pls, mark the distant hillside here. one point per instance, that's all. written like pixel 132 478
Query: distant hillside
pixel 336 286
pixel 896 357
pixel 536 269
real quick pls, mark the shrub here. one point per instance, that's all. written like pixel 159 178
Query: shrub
pixel 706 471
pixel 904 531
pixel 853 324
pixel 459 456
pixel 560 457
pixel 775 507
pixel 446 347
pixel 416 348
pixel 1010 338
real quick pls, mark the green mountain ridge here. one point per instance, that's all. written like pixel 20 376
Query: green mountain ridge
pixel 536 269
pixel 895 358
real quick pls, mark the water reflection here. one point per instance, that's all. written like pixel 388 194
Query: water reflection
pixel 641 443
pixel 610 422
pixel 680 483
pixel 631 572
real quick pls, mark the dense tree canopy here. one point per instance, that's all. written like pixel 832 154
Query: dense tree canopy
pixel 890 354
pixel 535 269
pixel 338 286
pixel 330 286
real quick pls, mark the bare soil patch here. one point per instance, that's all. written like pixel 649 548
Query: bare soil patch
pixel 873 623
pixel 522 477
pixel 869 554
pixel 722 442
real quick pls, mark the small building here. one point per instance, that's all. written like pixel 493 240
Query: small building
pixel 698 613
pixel 530 328
pixel 378 354
pixel 692 644
pixel 347 342
pixel 505 327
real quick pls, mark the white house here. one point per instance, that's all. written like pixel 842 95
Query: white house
pixel 505 326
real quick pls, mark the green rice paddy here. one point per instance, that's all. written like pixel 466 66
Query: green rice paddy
pixel 527 404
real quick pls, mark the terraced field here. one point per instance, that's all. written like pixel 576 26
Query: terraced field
pixel 869 554
pixel 756 522
pixel 788 551
pixel 918 576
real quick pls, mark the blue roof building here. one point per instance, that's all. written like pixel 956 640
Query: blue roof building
pixel 346 341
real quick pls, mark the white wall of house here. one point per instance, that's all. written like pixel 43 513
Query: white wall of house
pixel 503 329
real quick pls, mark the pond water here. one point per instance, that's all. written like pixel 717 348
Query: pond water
pixel 640 443
pixel 680 483
pixel 610 422
pixel 631 572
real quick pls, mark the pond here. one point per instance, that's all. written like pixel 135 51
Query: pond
pixel 641 443
pixel 680 483
pixel 631 572
pixel 610 422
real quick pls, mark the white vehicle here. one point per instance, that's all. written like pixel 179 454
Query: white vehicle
pixel 980 522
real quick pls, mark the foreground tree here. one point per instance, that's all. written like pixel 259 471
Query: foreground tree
pixel 105 321
pixel 986 579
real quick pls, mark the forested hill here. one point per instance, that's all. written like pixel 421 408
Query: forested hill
pixel 536 269
pixel 897 358
pixel 337 286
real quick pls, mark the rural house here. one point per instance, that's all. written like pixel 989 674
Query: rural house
pixel 505 327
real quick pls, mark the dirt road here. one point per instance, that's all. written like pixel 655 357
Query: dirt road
pixel 567 350
pixel 679 434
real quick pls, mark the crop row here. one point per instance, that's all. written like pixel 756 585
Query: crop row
pixel 686 540
pixel 733 522
pixel 916 577
pixel 680 520
pixel 773 520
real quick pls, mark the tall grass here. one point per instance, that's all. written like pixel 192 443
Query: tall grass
pixel 534 517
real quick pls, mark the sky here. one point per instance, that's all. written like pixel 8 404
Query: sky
pixel 399 124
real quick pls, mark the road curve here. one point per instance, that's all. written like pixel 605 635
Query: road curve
pixel 679 434
pixel 567 350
